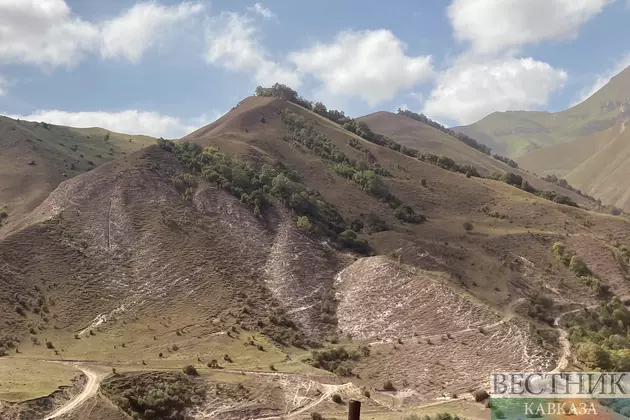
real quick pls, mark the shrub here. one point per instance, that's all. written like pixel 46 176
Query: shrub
pixel 190 370
pixel 49 345
pixel 388 386
pixel 578 267
pixel 423 182
pixel 593 355
pixel 468 226
pixel 562 254
pixel 213 364
pixel 3 352
pixel 407 214
pixel 337 399
pixel 316 416
pixel 304 223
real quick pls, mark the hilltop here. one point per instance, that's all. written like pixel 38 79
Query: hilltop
pixel 36 157
pixel 289 254
pixel 516 133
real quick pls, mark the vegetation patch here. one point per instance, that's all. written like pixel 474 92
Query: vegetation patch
pixel 338 360
pixel 155 395
pixel 518 182
pixel 578 267
pixel 260 187
pixel 600 336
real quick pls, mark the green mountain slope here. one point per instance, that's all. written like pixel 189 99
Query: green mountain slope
pixel 515 133
pixel 55 153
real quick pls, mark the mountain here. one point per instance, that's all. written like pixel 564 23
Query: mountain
pixel 515 133
pixel 55 153
pixel 272 260
pixel 426 139
pixel 598 164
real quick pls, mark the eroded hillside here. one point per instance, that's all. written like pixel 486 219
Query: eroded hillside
pixel 36 157
pixel 278 243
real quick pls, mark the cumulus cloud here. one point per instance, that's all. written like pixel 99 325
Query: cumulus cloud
pixel 469 90
pixel 43 33
pixel 261 10
pixel 128 121
pixel 46 33
pixel 371 65
pixel 233 44
pixel 494 25
pixel 603 78
pixel 136 30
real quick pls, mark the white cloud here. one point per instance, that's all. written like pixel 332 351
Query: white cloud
pixel 371 65
pixel 128 122
pixel 471 90
pixel 232 44
pixel 604 78
pixel 3 85
pixel 261 10
pixel 132 33
pixel 495 25
pixel 43 33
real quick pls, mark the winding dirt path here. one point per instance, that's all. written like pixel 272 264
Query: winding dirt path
pixel 89 390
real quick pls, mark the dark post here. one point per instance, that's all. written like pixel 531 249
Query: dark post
pixel 354 410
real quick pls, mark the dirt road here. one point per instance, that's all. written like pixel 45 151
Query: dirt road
pixel 91 388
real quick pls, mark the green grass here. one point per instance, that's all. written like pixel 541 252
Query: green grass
pixel 25 379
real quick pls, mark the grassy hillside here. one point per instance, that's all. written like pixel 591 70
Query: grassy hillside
pixel 596 164
pixel 289 260
pixel 516 133
pixel 57 152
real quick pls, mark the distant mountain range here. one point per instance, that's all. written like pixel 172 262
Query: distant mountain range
pixel 516 133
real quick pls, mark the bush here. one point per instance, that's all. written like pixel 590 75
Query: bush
pixel 49 345
pixel 190 370
pixel 316 416
pixel 593 355
pixel 407 214
pixel 304 223
pixel 468 226
pixel 578 267
pixel 337 399
pixel 389 386
pixel 3 352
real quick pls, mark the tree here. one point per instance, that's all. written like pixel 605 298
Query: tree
pixel 593 355
pixel 320 109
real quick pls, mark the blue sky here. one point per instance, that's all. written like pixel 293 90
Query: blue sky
pixel 166 67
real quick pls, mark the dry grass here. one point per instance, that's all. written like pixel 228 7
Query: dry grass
pixel 128 269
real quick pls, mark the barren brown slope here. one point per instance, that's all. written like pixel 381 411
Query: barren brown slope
pixel 562 158
pixel 605 173
pixel 426 139
pixel 597 164
pixel 420 136
pixel 58 153
pixel 528 230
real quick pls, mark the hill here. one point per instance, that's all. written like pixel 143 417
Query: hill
pixel 426 139
pixel 516 133
pixel 596 164
pixel 287 260
pixel 55 153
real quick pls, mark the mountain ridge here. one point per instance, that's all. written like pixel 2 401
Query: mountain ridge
pixel 516 133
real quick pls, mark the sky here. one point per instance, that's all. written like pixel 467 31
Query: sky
pixel 164 68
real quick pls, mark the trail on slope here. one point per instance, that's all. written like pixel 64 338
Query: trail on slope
pixel 89 390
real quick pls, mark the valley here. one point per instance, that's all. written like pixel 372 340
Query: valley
pixel 285 259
